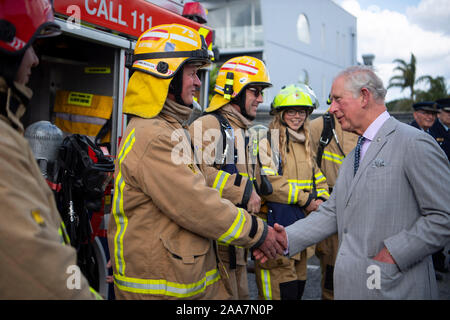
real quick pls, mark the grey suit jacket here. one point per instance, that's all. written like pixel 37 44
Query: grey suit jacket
pixel 398 199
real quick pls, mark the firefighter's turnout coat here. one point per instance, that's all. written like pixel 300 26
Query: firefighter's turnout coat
pixel 36 259
pixel 293 186
pixel 165 215
pixel 233 179
pixel 332 157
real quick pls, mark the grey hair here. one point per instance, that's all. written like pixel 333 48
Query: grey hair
pixel 358 77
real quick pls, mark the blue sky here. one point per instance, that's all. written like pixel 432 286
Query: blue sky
pixel 393 29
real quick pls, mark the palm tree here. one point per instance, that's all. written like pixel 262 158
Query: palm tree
pixel 437 88
pixel 407 76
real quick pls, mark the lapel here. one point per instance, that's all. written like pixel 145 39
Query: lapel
pixel 375 147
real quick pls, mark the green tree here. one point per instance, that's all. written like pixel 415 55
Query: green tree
pixel 407 76
pixel 437 88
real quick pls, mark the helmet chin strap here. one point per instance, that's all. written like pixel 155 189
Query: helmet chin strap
pixel 240 101
pixel 176 88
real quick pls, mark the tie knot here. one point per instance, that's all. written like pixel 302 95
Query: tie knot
pixel 361 139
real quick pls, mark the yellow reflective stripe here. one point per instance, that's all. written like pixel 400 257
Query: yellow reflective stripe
pixel 227 245
pixel 333 157
pixel 294 186
pixel 322 192
pixel 246 175
pixel 164 287
pixel 97 296
pixel 268 171
pixel 221 181
pixel 63 233
pixel 235 230
pixel 118 211
pixel 319 177
pixel 292 193
pixel 265 281
pixel 300 182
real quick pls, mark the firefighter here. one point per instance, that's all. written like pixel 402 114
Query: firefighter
pixel 36 259
pixel 165 217
pixel 298 187
pixel 330 145
pixel 440 129
pixel 227 167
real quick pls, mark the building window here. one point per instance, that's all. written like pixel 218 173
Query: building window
pixel 303 28
pixel 237 25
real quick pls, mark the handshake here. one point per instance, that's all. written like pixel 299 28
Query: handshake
pixel 274 244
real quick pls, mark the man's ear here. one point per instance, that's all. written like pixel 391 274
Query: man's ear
pixel 366 95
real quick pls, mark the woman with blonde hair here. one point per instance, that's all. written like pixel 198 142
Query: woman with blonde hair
pixel 298 187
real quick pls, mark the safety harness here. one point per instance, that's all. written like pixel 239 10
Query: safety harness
pixel 327 135
pixel 222 160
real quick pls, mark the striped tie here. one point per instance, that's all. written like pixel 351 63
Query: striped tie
pixel 361 140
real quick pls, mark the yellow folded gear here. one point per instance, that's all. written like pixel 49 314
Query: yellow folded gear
pixel 82 113
pixel 145 95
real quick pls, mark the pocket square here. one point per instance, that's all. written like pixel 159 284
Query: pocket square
pixel 378 163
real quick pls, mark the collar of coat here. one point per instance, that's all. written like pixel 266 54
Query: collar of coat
pixel 14 102
pixel 236 116
pixel 296 136
pixel 176 111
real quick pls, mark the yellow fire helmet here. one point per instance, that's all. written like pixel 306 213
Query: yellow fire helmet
pixel 234 75
pixel 159 54
pixel 294 95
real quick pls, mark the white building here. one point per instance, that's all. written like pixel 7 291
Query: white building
pixel 299 40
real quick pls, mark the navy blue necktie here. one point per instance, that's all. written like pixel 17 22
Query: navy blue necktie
pixel 361 140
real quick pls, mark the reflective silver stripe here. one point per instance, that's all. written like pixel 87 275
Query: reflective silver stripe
pixel 294 185
pixel 235 230
pixel 322 192
pixel 268 171
pixel 265 281
pixel 164 287
pixel 117 210
pixel 79 118
pixel 333 157
pixel 220 181
pixel 292 193
pixel 319 177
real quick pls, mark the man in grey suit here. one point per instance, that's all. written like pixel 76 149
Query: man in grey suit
pixel 389 206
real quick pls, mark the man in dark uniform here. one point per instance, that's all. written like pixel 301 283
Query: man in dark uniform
pixel 424 115
pixel 440 129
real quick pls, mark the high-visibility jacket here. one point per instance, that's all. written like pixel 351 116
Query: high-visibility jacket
pixel 36 260
pixel 236 187
pixel 165 216
pixel 82 113
pixel 233 179
pixel 332 157
pixel 295 184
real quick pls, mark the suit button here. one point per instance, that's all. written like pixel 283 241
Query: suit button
pixel 345 230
